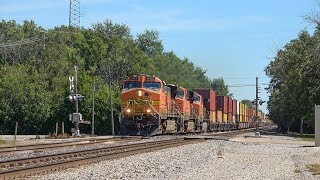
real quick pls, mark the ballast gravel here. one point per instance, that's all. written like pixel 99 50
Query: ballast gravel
pixel 213 159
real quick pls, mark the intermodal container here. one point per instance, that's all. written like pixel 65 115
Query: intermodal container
pixel 222 103
pixel 213 118
pixel 240 111
pixel 209 96
pixel 245 113
pixel 230 103
pixel 219 116
pixel 225 118
pixel 238 107
pixel 234 107
pixel 229 117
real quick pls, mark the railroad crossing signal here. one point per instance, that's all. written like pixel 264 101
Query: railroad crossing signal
pixel 75 117
pixel 71 80
pixel 73 97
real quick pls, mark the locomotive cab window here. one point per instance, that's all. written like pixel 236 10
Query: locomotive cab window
pixel 152 85
pixel 197 99
pixel 131 84
pixel 180 94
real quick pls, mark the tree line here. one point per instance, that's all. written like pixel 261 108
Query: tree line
pixel 295 81
pixel 35 64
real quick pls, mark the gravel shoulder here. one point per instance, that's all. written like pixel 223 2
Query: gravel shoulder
pixel 213 159
pixel 273 140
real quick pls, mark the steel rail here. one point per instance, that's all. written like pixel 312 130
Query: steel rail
pixel 98 155
pixel 227 135
pixel 13 149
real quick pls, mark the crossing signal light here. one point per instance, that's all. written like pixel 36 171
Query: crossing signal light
pixel 75 98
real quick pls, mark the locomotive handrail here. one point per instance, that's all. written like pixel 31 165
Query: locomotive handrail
pixel 125 107
pixel 175 108
pixel 153 108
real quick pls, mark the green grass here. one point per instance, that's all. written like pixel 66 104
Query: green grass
pixel 2 142
pixel 314 168
pixel 304 137
pixel 307 139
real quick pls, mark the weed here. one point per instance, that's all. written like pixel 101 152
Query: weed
pixel 2 142
pixel 314 168
pixel 297 171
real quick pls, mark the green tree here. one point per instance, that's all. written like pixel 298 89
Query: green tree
pixel 248 103
pixel 34 81
pixel 293 86
pixel 149 43
pixel 220 87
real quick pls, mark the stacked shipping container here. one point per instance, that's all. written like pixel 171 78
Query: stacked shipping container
pixel 222 106
pixel 238 112
pixel 234 111
pixel 229 116
pixel 222 109
pixel 209 97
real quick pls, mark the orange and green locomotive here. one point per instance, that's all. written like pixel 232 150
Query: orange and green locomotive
pixel 149 106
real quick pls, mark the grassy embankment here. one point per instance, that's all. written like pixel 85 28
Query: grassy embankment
pixel 304 137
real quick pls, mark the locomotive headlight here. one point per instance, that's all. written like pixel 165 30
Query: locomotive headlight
pixel 148 110
pixel 128 110
pixel 139 93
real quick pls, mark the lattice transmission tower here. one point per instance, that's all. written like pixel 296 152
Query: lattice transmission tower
pixel 74 13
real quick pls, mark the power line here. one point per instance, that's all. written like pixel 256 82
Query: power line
pixel 262 77
pixel 18 51
pixel 247 85
pixel 22 42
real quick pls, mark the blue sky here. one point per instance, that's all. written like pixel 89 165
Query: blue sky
pixel 233 39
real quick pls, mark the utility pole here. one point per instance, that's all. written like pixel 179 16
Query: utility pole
pixel 111 105
pixel 92 122
pixel 257 101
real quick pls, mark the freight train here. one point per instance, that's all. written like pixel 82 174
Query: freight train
pixel 149 107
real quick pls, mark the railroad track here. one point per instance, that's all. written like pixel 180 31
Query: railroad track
pixel 34 147
pixel 230 134
pixel 20 168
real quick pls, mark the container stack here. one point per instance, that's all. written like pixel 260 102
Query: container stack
pixel 234 111
pixel 230 110
pixel 209 99
pixel 222 106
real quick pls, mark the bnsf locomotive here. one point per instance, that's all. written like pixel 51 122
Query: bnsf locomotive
pixel 149 106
